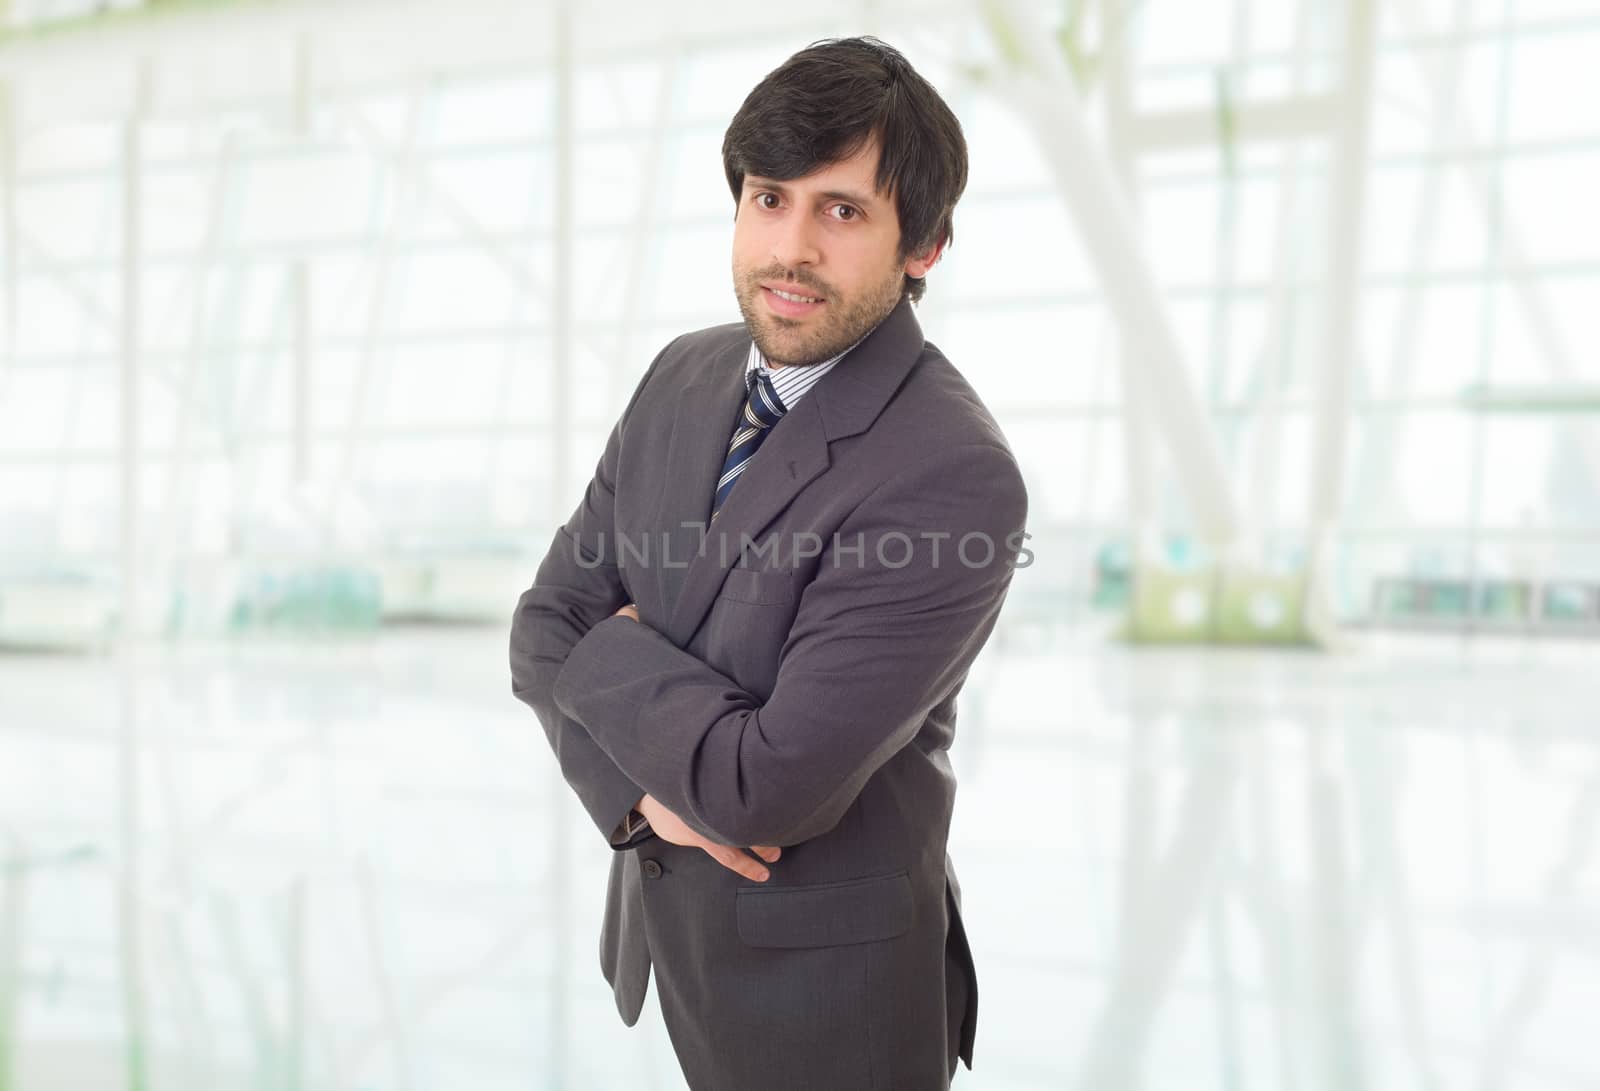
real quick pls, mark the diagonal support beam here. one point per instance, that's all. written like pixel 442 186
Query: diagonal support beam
pixel 1038 84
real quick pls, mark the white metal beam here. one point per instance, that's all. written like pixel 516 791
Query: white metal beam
pixel 1036 81
pixel 1375 483
pixel 130 335
pixel 559 824
pixel 1547 332
pixel 643 235
pixel 1278 340
pixel 1277 120
pixel 13 909
pixel 300 289
pixel 1138 433
pixel 130 916
pixel 1342 316
pixel 407 183
pixel 181 469
pixel 8 229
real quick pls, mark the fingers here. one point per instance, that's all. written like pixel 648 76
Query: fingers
pixel 735 860
pixel 769 853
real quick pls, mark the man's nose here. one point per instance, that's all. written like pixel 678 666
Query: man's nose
pixel 795 243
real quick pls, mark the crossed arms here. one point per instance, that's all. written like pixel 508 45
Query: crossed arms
pixel 879 639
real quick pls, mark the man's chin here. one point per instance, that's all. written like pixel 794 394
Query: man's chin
pixel 791 352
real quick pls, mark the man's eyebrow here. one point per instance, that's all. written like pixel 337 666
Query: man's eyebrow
pixel 829 194
pixel 846 195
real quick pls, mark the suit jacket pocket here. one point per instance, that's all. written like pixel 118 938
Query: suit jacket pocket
pixel 827 914
pixel 758 587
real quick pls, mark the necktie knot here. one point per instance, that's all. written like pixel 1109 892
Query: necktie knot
pixel 763 408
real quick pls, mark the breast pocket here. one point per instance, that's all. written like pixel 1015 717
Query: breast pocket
pixel 757 587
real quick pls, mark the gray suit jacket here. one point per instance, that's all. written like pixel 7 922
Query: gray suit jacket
pixel 792 681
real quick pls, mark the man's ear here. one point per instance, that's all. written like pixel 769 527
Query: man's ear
pixel 917 265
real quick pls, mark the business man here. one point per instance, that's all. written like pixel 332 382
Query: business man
pixel 746 643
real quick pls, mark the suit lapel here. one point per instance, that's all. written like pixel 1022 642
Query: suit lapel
pixel 703 420
pixel 843 403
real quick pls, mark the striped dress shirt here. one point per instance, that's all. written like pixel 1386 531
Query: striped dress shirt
pixel 792 383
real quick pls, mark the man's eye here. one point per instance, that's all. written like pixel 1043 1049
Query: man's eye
pixel 845 212
pixel 763 198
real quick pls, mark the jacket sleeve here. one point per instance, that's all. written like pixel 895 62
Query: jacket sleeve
pixel 576 586
pixel 881 636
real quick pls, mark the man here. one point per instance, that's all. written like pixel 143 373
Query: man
pixel 751 633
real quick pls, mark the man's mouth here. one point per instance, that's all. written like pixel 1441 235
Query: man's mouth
pixel 793 297
pixel 787 303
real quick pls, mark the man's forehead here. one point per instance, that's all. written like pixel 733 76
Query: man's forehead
pixel 851 178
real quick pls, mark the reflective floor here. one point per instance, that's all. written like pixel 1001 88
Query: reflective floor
pixel 340 865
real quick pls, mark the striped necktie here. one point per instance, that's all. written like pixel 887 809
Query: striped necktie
pixel 762 410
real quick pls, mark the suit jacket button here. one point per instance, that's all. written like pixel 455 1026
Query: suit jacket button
pixel 652 869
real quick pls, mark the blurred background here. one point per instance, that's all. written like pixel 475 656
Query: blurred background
pixel 314 318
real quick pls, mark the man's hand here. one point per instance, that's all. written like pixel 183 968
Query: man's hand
pixel 669 827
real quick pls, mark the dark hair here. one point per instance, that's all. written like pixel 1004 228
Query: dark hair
pixel 822 104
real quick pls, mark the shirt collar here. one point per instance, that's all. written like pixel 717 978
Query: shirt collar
pixel 792 383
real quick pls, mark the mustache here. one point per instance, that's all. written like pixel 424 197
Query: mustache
pixel 801 280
